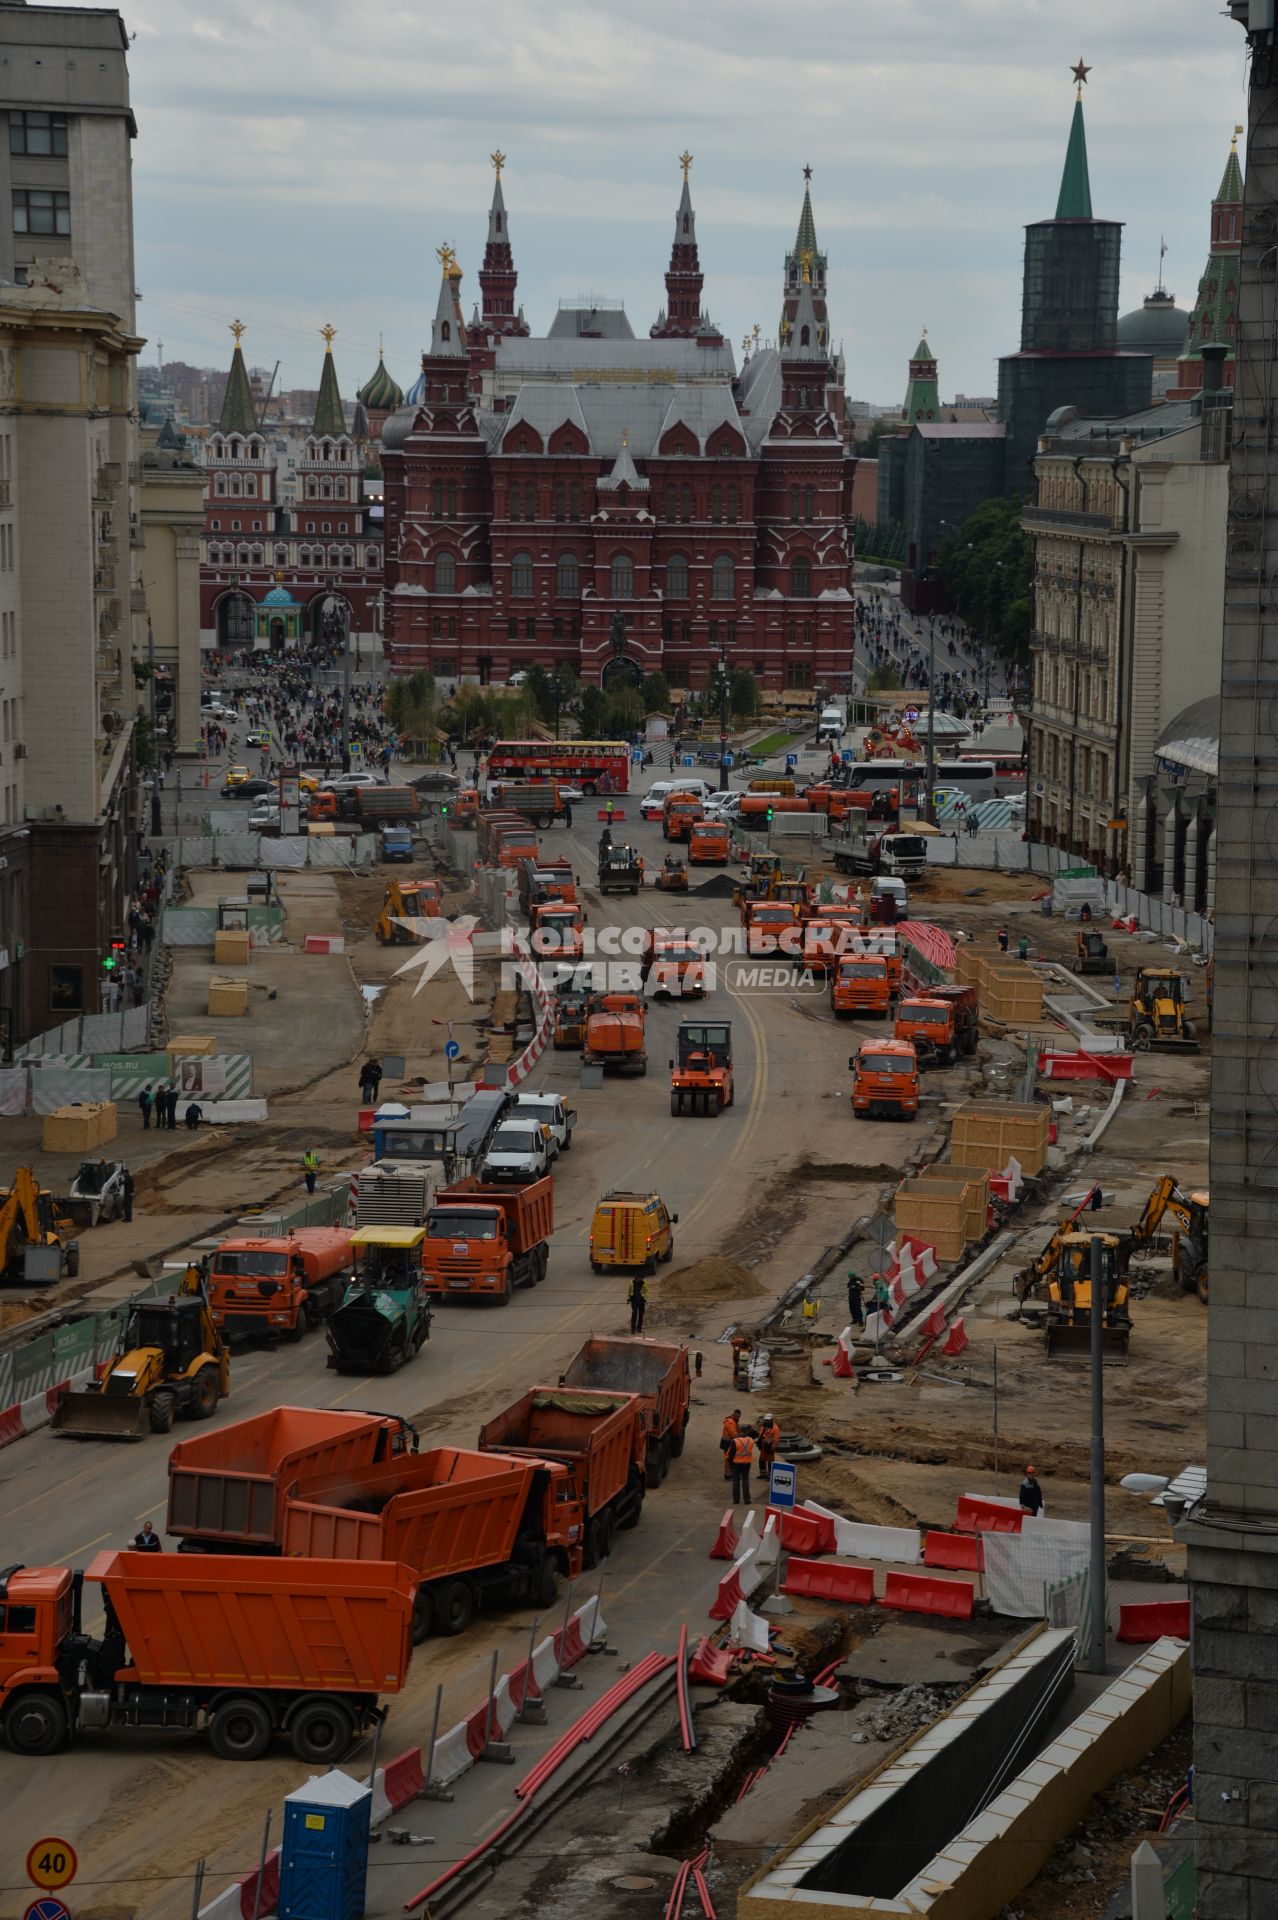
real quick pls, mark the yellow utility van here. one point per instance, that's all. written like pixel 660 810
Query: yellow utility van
pixel 631 1230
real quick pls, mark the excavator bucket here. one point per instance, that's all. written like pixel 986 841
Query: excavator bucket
pixel 1077 1341
pixel 101 1416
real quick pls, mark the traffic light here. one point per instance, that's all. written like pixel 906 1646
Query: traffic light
pixel 769 816
pixel 113 959
pixel 443 809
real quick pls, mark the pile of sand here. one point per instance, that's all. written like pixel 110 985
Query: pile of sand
pixel 711 1279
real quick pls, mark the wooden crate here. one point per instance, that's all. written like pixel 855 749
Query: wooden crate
pixel 975 1182
pixel 79 1129
pixel 231 949
pixel 994 1130
pixel 191 1043
pixel 969 961
pixel 1012 994
pixel 227 998
pixel 933 1210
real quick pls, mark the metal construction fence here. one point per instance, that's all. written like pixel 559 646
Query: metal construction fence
pixel 1008 853
pixel 291 852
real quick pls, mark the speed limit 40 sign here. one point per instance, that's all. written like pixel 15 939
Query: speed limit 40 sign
pixel 51 1864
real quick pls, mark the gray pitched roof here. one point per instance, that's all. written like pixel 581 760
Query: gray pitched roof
pixel 447 336
pixel 567 357
pixel 624 473
pixel 759 391
pixel 545 406
pixel 576 318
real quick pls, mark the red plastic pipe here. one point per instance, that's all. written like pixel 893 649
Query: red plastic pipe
pixel 681 1683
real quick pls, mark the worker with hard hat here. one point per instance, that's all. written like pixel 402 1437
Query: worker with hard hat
pixel 769 1437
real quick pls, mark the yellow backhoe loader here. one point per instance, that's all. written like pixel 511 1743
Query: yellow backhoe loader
pixel 406 908
pixel 1156 1015
pixel 170 1361
pixel 37 1239
pixel 1062 1275
pixel 1190 1247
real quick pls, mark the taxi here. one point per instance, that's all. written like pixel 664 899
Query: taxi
pixel 237 775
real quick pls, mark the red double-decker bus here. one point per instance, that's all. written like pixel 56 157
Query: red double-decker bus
pixel 596 766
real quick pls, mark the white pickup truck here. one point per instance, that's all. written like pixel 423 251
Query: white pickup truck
pixel 554 1110
pixel 522 1149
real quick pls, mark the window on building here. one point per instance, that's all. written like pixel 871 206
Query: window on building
pixel 567 577
pixel 530 628
pixel 732 506
pixel 801 578
pixel 310 526
pixel 623 576
pixel 521 574
pixel 235 526
pixel 514 501
pixel 807 633
pixel 41 210
pixel 37 133
pixel 677 577
pixel 216 525
pixel 219 485
pixel 561 500
pixel 798 675
pixel 807 503
pixel 372 557
pixel 512 629
pixel 714 633
pixel 257 557
pixel 794 503
pixel 574 500
pixel 452 626
pixel 445 573
pixel 530 500
pixel 722 577
pixel 716 504
pixel 257 526
pixel 348 556
pixel 437 498
pixel 671 505
pixel 436 626
pixel 281 556
pixel 452 499
pixel 235 484
pixel 685 502
pixel 326 489
pixel 559 627
pixel 732 633
pixel 685 633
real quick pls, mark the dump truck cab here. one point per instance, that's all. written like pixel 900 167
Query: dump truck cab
pixel 1156 1012
pixel 701 1072
pixel 886 1080
pixel 276 1286
pixel 620 868
pixel 487 1240
pixel 678 813
pixel 709 843
pixel 558 931
pixel 861 983
pixel 464 810
pixel 940 1023
pixel 773 929
pixel 1069 1295
pixel 825 939
pixel 170 1360
pixel 615 1034
pixel 631 1231
pixel 672 966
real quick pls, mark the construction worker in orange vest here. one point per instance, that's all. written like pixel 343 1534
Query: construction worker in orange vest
pixel 742 1456
pixel 726 1439
pixel 769 1435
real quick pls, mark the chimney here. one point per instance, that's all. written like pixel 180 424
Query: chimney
pixel 1213 366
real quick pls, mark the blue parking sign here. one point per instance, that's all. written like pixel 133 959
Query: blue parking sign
pixel 783 1484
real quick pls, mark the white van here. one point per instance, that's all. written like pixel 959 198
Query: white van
pixel 553 1110
pixel 650 807
pixel 832 724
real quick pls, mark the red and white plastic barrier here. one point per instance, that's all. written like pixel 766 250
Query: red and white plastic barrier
pixel 523 1064
pixel 241 1900
pixel 324 943
pixel 725 1546
pixel 28 1416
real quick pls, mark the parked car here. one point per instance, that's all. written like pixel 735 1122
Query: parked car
pixel 521 1149
pixel 258 737
pixel 344 782
pixel 264 817
pixel 554 1110
pixel 253 789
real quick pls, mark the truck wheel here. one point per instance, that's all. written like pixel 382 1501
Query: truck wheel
pixel 663 1458
pixel 321 1731
pixel 596 1266
pixel 206 1396
pixel 72 1261
pixel 163 1408
pixel 668 1255
pixel 546 1585
pixel 36 1723
pixel 454 1607
pixel 240 1729
pixel 676 1105
pixel 294 1333
pixel 637 1489
pixel 423 1615
pixel 677 1437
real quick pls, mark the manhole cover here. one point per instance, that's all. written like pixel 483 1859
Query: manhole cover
pixel 633 1883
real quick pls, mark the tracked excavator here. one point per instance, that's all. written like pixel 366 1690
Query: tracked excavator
pixel 170 1361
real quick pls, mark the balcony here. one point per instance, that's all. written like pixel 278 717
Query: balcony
pixel 104 579
pixel 107 663
pixel 1065 520
pixel 6 498
pixel 106 482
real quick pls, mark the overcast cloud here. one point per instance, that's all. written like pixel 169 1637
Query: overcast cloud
pixel 298 161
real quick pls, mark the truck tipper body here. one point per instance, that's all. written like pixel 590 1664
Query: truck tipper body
pixel 615 1029
pixel 600 1436
pixel 241 1647
pixel 469 1525
pixel 655 1370
pixel 487 1240
pixel 227 1486
pixel 276 1287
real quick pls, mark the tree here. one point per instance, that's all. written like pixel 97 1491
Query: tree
pixel 411 706
pixel 884 679
pixel 656 693
pixel 624 712
pixel 540 690
pixel 743 694
pixel 591 713
pixel 987 568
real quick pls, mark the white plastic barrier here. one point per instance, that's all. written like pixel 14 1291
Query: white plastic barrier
pixel 768 1551
pixel 857 1541
pixel 749 1629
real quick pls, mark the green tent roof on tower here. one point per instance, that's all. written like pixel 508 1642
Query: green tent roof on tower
pixel 330 417
pixel 238 415
pixel 1075 199
pixel 806 238
pixel 923 351
pixel 1231 182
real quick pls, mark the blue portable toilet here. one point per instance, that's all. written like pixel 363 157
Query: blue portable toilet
pixel 324 1856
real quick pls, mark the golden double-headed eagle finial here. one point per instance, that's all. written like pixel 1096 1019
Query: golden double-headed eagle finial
pixel 685 161
pixel 499 160
pixel 328 335
pixel 238 330
pixel 446 257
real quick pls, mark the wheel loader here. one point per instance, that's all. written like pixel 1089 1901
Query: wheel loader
pixel 170 1361
pixel 37 1238
pixel 701 1075
pixel 1091 955
pixel 1156 1012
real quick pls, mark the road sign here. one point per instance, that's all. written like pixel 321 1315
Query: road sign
pixel 451 1049
pixel 51 1863
pixel 48 1907
pixel 783 1482
pixel 911 714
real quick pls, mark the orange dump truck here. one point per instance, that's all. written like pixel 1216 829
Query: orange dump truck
pixel 615 1034
pixel 241 1648
pixel 599 1436
pixel 887 1080
pixel 275 1288
pixel 469 1525
pixel 558 931
pixel 940 1023
pixel 654 1370
pixel 227 1486
pixel 773 929
pixel 679 814
pixel 826 938
pixel 488 1240
pixel 709 844
pixel 862 983
pixel 672 965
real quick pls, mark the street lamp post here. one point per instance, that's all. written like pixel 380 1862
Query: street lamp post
pixel 723 718
pixel 930 805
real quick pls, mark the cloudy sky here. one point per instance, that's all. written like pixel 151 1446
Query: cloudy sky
pixel 299 161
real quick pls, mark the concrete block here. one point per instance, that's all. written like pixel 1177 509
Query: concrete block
pixel 1222 1896
pixel 1235 1656
pixel 1262 1609
pixel 1219 1703
pixel 1251 1324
